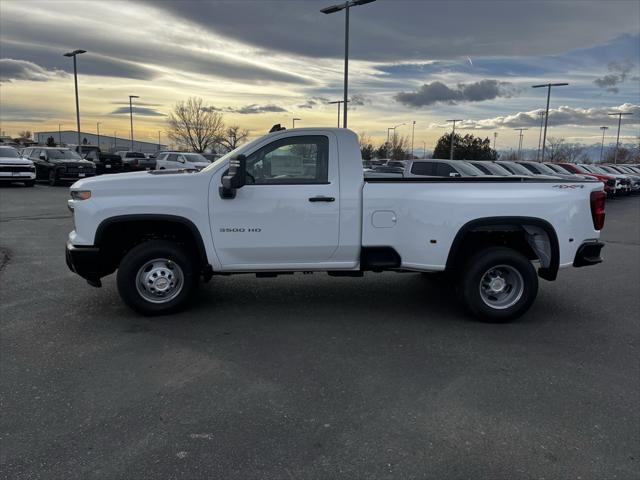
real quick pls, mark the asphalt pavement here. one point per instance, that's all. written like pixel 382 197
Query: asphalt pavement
pixel 309 376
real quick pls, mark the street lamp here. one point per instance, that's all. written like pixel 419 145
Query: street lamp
pixel 333 9
pixel 294 122
pixel 542 115
pixel 158 140
pixel 339 102
pixel 546 115
pixel 453 134
pixel 520 142
pixel 98 129
pixel 604 129
pixel 619 114
pixel 131 117
pixel 413 131
pixel 424 149
pixel 59 134
pixel 74 54
pixel 495 136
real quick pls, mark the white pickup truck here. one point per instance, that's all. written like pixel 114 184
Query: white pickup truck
pixel 297 201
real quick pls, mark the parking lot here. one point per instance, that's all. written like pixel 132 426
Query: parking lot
pixel 312 376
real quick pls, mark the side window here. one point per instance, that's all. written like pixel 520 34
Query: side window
pixel 92 155
pixel 173 157
pixel 531 168
pixel 444 169
pixel 35 154
pixel 423 168
pixel 303 159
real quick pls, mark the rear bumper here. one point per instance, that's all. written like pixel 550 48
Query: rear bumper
pixel 86 262
pixel 588 254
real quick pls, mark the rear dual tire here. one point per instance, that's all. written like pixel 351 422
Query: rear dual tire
pixel 498 284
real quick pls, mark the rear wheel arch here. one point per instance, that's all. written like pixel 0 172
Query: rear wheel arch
pixel 520 233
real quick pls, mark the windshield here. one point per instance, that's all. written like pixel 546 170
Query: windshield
pixel 194 158
pixel 515 168
pixel 247 147
pixel 469 169
pixel 9 152
pixel 605 170
pixel 135 155
pixel 557 169
pixel 63 154
pixel 545 169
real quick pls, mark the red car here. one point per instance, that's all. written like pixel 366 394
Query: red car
pixel 608 180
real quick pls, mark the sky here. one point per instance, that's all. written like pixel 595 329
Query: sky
pixel 262 62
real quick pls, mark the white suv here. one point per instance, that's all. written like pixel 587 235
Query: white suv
pixel 14 168
pixel 180 161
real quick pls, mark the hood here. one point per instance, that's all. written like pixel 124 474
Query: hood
pixel 132 182
pixel 15 161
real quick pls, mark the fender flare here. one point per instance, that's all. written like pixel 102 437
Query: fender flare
pixel 548 273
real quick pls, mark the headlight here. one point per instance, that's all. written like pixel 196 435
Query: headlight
pixel 81 194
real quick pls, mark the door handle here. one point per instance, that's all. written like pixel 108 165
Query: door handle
pixel 322 199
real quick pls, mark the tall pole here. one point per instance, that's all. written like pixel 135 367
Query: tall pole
pixel 413 131
pixel 294 122
pixel 74 54
pixel 619 115
pixel 453 136
pixel 346 63
pixel 98 129
pixel 131 117
pixel 542 115
pixel 495 136
pixel 114 141
pixel 394 135
pixel 546 116
pixel 59 135
pixel 336 8
pixel 158 140
pixel 604 129
pixel 520 141
pixel 339 113
pixel 424 149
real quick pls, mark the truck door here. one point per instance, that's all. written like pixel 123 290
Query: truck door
pixel 288 213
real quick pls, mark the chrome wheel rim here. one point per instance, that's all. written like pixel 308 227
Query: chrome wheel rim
pixel 159 280
pixel 501 287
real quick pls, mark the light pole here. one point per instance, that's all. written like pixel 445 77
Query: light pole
pixel 158 140
pixel 74 54
pixel 453 134
pixel 546 115
pixel 619 114
pixel 59 134
pixel 424 149
pixel 542 115
pixel 294 122
pixel 394 134
pixel 495 135
pixel 131 117
pixel 333 9
pixel 114 141
pixel 98 129
pixel 339 102
pixel 604 129
pixel 413 131
pixel 520 142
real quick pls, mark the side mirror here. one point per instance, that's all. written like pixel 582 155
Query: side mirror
pixel 454 174
pixel 235 178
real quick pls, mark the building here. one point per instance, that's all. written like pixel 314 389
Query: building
pixel 108 143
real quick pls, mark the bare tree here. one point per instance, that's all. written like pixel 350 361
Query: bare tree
pixel 195 126
pixel 367 149
pixel 233 137
pixel 554 147
pixel 24 135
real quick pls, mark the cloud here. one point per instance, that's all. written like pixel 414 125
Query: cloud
pixel 564 115
pixel 438 92
pixel 143 111
pixel 253 108
pixel 313 102
pixel 11 70
pixel 618 73
pixel 358 100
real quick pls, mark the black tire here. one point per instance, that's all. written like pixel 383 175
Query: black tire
pixel 29 183
pixel 507 262
pixel 53 177
pixel 140 255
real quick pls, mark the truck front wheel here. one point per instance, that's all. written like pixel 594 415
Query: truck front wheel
pixel 498 284
pixel 156 277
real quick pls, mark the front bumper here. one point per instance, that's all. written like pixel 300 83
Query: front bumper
pixel 88 262
pixel 588 254
pixel 17 176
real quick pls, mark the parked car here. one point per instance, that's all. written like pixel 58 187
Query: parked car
pixel 14 168
pixel 212 157
pixel 538 168
pixel 634 177
pixel 611 184
pixel 296 201
pixel 623 183
pixel 517 169
pixel 104 162
pixel 441 168
pixel 83 150
pixel 490 168
pixel 136 161
pixel 181 160
pixel 56 164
